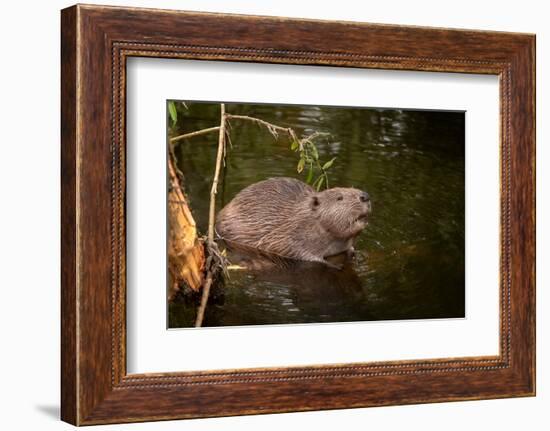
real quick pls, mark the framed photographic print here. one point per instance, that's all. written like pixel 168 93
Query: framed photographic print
pixel 264 214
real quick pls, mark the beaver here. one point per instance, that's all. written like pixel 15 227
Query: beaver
pixel 288 218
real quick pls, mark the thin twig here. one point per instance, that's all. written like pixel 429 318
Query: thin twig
pixel 212 215
pixel 314 135
pixel 214 190
pixel 204 300
pixel 273 128
pixel 193 134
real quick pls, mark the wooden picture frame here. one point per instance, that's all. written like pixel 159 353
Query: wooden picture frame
pixel 95 43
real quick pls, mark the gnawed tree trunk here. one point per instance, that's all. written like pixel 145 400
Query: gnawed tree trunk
pixel 185 251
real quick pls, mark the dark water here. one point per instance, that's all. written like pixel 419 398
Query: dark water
pixel 410 259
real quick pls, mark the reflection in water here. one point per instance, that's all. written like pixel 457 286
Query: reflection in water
pixel 410 259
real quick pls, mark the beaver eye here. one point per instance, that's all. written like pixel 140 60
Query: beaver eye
pixel 339 198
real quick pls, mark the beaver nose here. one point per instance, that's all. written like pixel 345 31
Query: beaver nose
pixel 364 197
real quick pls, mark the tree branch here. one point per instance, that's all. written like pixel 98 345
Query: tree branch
pixel 212 216
pixel 193 134
pixel 273 128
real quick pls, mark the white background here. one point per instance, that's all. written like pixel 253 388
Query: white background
pixel 151 348
pixel 29 227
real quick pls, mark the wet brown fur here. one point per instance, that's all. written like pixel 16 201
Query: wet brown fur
pixel 288 218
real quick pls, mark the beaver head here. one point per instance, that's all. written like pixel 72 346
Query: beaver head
pixel 341 211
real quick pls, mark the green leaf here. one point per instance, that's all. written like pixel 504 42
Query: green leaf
pixel 301 165
pixel 173 111
pixel 328 164
pixel 295 145
pixel 310 174
pixel 318 183
pixel 314 151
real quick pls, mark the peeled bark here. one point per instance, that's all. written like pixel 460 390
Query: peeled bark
pixel 186 258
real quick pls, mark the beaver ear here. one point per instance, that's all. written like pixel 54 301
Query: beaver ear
pixel 315 202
